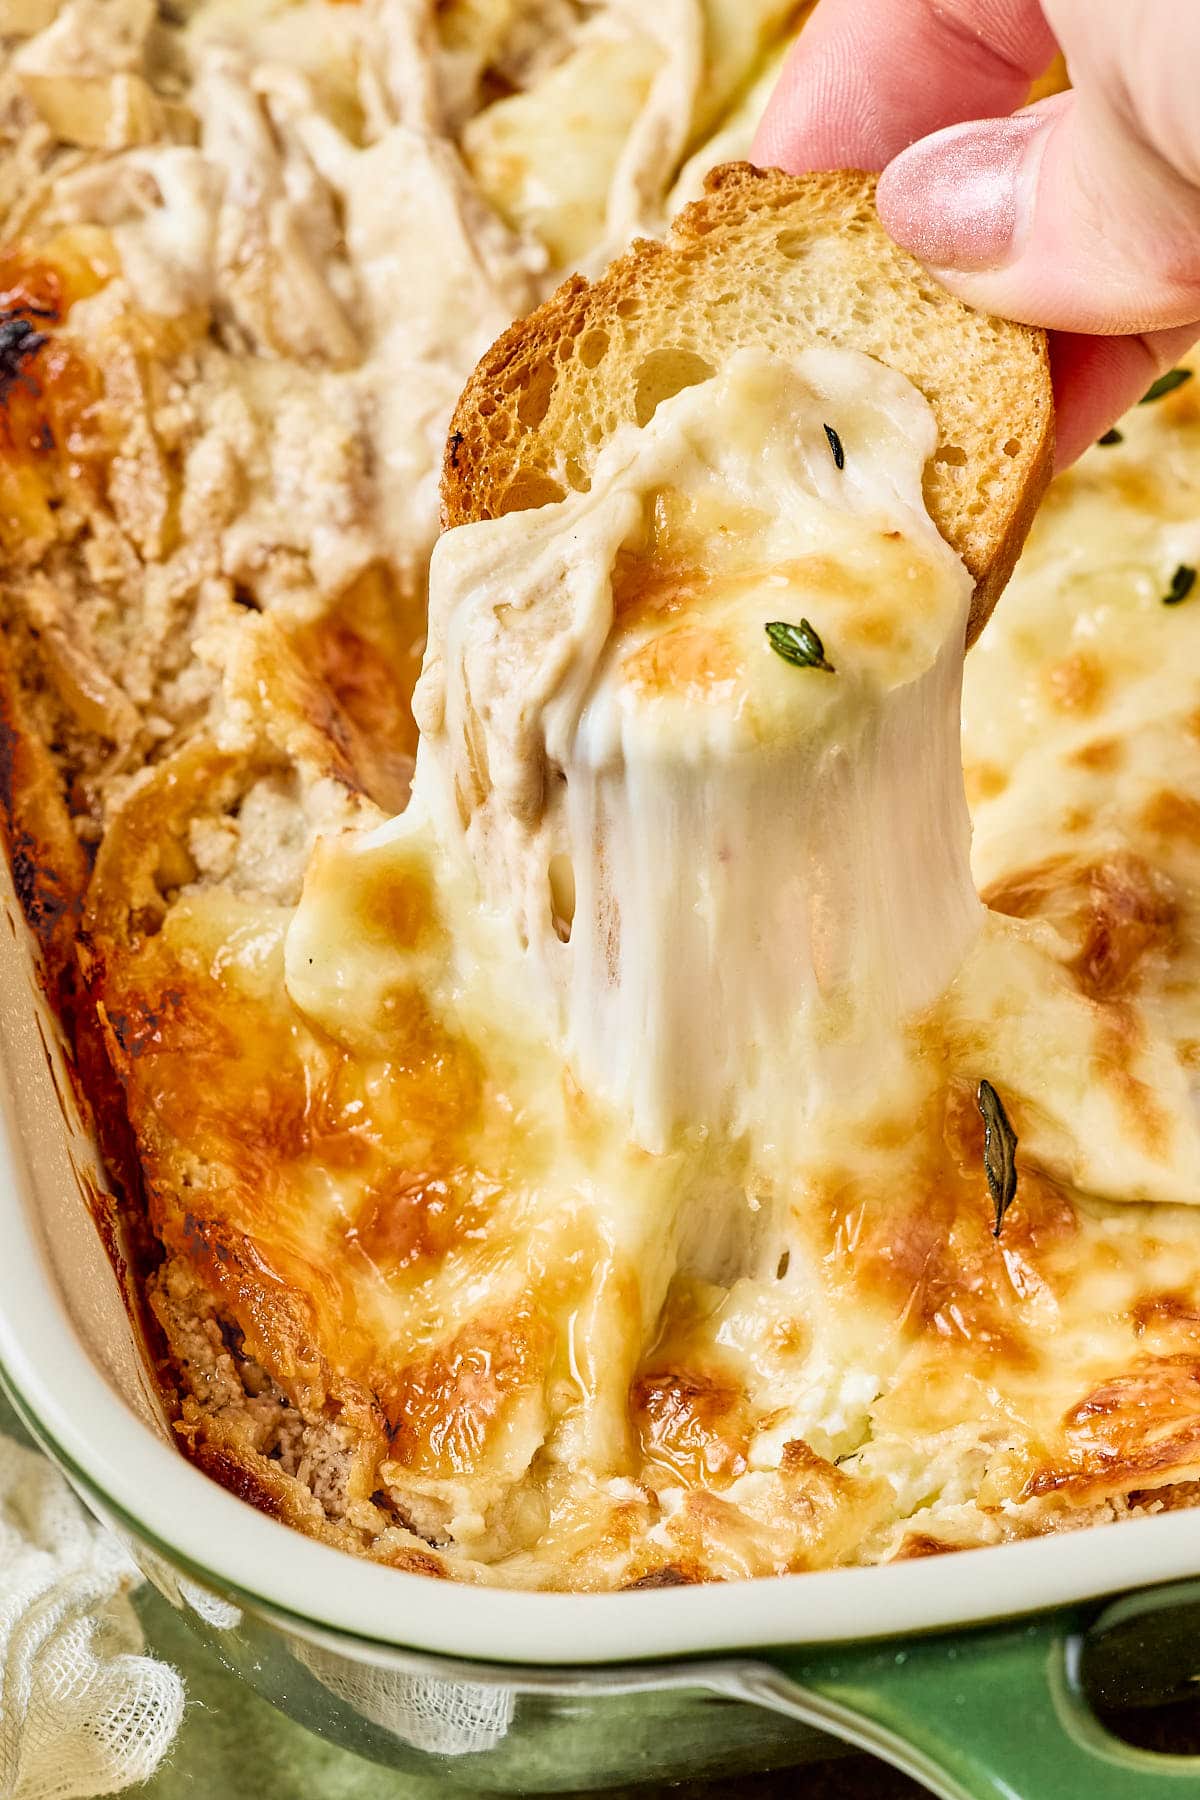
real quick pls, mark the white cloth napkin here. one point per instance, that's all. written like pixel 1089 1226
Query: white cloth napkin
pixel 82 1711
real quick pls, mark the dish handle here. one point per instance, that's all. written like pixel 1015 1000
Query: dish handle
pixel 993 1714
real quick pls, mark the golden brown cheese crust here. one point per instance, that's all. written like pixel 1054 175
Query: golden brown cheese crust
pixel 366 1329
pixel 92 890
pixel 294 1188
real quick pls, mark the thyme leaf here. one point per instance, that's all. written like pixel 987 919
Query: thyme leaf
pixel 1166 384
pixel 999 1151
pixel 798 644
pixel 1182 583
pixel 1112 437
pixel 835 444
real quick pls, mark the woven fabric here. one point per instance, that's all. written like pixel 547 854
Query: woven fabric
pixel 82 1711
pixel 443 1718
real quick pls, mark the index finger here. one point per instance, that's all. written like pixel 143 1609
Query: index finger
pixel 869 77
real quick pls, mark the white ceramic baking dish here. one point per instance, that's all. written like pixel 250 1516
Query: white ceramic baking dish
pixel 966 1670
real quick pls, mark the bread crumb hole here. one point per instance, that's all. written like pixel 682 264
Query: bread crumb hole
pixel 534 401
pixel 629 308
pixel 1012 447
pixel 592 346
pixel 528 489
pixel 954 454
pixel 782 1269
pixel 664 373
pixel 792 244
pixel 562 896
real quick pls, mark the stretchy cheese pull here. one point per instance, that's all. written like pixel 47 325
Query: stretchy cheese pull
pixel 734 867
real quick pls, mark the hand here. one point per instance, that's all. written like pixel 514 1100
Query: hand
pixel 1080 213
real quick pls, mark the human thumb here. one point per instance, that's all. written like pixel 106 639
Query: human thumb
pixel 1059 215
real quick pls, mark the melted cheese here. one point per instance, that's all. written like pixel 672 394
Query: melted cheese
pixel 638 87
pixel 604 715
pixel 601 707
pixel 427 1294
pixel 357 273
pixel 827 1313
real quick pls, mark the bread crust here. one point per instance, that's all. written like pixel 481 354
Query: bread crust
pixel 782 261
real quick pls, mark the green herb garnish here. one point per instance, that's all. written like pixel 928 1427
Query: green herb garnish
pixel 798 644
pixel 1166 384
pixel 1112 437
pixel 835 444
pixel 1182 583
pixel 999 1151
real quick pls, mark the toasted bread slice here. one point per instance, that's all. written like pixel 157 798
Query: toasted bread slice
pixel 781 262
